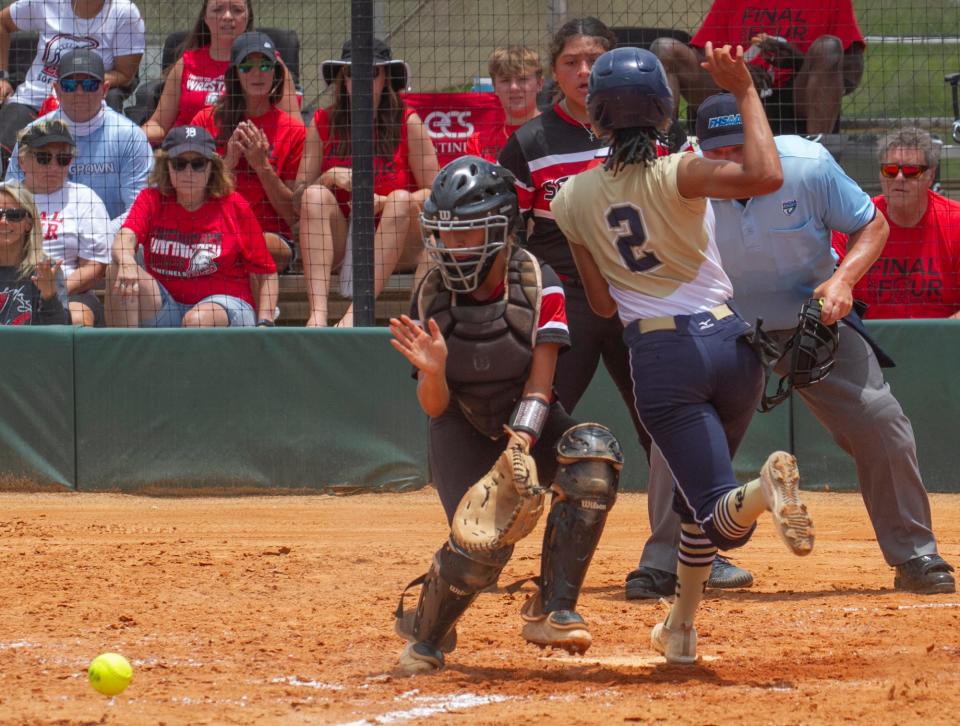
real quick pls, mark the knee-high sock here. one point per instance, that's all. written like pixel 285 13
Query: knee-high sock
pixel 737 510
pixel 693 571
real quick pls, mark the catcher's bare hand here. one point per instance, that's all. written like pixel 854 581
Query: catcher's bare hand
pixel 727 68
pixel 425 349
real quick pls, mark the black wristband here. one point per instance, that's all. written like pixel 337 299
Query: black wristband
pixel 266 323
pixel 4 75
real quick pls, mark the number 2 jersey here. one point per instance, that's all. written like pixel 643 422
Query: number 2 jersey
pixel 655 248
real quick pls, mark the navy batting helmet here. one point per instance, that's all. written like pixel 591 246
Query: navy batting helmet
pixel 628 88
pixel 469 193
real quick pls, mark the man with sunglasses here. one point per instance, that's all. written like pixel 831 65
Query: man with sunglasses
pixel 918 272
pixel 777 251
pixel 113 156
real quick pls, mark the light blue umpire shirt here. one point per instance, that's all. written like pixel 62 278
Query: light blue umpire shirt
pixel 776 248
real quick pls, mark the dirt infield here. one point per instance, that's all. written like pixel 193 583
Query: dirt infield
pixel 279 611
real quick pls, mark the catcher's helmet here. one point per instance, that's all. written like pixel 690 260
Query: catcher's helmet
pixel 812 351
pixel 628 88
pixel 469 193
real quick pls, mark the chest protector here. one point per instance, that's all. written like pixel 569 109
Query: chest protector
pixel 489 346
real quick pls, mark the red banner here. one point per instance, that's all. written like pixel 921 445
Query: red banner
pixel 460 123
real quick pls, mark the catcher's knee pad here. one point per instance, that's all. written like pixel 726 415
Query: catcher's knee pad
pixel 590 461
pixel 470 572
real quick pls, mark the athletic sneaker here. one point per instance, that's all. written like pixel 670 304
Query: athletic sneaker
pixel 420 658
pixel 678 645
pixel 563 629
pixel 780 481
pixel 724 575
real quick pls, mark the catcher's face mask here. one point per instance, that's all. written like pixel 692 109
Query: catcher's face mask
pixel 812 351
pixel 464 268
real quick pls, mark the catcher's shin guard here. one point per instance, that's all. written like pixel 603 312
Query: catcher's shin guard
pixel 452 583
pixel 585 489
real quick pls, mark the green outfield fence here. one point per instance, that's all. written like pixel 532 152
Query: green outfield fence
pixel 254 411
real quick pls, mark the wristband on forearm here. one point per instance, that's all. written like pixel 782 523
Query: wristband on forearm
pixel 529 416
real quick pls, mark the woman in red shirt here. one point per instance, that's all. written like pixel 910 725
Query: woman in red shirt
pixel 405 167
pixel 260 144
pixel 200 241
pixel 196 79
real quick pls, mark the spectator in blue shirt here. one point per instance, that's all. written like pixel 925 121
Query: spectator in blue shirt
pixel 777 252
pixel 113 156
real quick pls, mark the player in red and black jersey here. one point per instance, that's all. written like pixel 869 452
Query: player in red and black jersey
pixel 543 154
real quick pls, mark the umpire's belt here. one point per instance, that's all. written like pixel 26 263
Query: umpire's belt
pixel 669 322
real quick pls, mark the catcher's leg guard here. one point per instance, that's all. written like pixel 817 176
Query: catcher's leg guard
pixel 452 583
pixel 584 491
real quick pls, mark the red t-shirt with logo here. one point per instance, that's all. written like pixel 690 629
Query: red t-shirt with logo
pixel 201 83
pixel 212 250
pixel 286 135
pixel 799 22
pixel 389 174
pixel 918 272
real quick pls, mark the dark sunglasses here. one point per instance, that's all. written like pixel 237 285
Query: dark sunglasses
pixel 263 66
pixel 910 171
pixel 13 214
pixel 45 157
pixel 195 164
pixel 377 72
pixel 72 84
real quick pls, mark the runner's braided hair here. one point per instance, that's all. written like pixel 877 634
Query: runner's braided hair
pixel 634 145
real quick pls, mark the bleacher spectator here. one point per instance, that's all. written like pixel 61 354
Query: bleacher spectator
pixel 260 144
pixel 115 29
pixel 74 221
pixel 197 78
pixel 30 282
pixel 405 166
pixel 112 156
pixel 805 54
pixel 200 242
pixel 918 272
pixel 517 80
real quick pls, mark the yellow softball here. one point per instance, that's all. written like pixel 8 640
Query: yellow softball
pixel 110 673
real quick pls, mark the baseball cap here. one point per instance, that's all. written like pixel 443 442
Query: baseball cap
pixel 80 61
pixel 397 71
pixel 182 139
pixel 250 43
pixel 45 132
pixel 719 123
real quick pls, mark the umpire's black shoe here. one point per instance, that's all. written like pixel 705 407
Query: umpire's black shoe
pixel 725 575
pixel 926 574
pixel 647 583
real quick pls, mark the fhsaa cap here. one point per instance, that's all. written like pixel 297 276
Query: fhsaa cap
pixel 719 123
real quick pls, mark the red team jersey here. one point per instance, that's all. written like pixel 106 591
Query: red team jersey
pixel 543 154
pixel 201 83
pixel 389 174
pixel 286 135
pixel 918 272
pixel 800 22
pixel 210 251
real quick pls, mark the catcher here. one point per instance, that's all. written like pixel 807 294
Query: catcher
pixel 493 322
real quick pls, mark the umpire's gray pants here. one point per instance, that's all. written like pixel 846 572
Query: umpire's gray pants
pixel 856 406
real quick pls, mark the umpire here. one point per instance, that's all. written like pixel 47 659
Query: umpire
pixel 776 249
